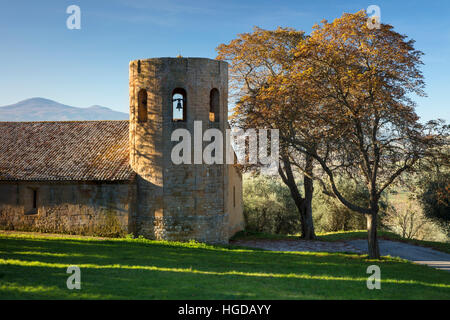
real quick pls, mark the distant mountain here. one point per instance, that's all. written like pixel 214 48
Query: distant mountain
pixel 40 109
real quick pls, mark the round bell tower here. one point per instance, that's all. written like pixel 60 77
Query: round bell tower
pixel 184 201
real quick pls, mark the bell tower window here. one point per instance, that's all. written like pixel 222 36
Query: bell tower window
pixel 142 105
pixel 214 105
pixel 179 105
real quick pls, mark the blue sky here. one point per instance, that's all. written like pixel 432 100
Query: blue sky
pixel 40 57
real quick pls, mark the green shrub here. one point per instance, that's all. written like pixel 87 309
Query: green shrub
pixel 268 206
pixel 435 199
pixel 331 215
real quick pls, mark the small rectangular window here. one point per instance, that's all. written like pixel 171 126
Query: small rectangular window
pixel 234 197
pixel 31 201
pixel 142 105
pixel 35 199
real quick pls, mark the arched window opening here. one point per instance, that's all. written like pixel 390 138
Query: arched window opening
pixel 179 105
pixel 142 105
pixel 214 105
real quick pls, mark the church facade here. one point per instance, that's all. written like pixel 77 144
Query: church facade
pixel 112 178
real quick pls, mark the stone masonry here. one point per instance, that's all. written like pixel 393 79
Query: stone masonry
pixel 112 178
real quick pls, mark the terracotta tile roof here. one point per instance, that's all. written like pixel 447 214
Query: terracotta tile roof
pixel 65 150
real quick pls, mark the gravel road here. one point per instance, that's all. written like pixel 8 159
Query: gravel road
pixel 417 254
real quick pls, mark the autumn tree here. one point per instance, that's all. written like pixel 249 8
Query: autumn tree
pixel 257 60
pixel 360 81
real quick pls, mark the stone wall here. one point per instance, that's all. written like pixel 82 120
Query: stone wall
pixel 103 209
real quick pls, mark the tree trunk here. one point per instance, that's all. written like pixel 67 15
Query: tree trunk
pixel 303 204
pixel 307 223
pixel 373 248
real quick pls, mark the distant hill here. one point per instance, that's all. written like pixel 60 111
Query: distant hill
pixel 40 109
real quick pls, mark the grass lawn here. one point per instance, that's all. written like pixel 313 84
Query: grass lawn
pixel 34 267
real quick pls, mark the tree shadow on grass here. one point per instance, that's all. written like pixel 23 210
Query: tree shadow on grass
pixel 33 268
pixel 28 282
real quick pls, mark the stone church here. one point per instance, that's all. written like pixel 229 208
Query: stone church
pixel 112 178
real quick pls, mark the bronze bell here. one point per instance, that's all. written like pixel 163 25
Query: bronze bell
pixel 179 106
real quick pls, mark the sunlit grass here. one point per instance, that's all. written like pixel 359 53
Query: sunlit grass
pixel 34 267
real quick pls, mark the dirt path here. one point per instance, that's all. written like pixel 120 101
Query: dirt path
pixel 299 245
pixel 416 254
